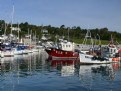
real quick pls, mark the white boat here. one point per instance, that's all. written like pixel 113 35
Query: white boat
pixel 25 51
pixel 1 54
pixel 35 50
pixel 105 54
pixel 17 51
pixel 6 50
pixel 90 59
pixel 8 53
pixel 40 48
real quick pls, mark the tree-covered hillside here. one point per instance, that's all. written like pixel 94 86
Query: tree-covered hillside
pixel 76 33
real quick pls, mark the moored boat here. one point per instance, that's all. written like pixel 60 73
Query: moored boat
pixel 105 54
pixel 65 50
pixel 6 50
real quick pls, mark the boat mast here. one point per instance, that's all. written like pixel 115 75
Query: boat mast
pixel 12 21
pixel 35 40
pixel 31 38
pixel 99 39
pixel 68 34
pixel 18 31
pixel 88 36
pixel 5 31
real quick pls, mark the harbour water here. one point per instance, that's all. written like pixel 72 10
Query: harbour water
pixel 32 72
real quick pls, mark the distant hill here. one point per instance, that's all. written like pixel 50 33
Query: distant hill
pixel 75 33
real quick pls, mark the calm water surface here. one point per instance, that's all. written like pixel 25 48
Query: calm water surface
pixel 32 72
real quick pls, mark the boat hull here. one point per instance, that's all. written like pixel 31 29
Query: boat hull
pixel 89 59
pixel 56 54
pixel 7 53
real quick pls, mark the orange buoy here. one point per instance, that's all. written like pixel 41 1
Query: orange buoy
pixel 113 59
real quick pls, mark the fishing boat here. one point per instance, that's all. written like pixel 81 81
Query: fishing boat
pixel 105 54
pixel 64 50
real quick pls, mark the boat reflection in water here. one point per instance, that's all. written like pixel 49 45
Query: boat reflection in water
pixel 32 72
pixel 14 69
pixel 92 76
pixel 14 62
pixel 66 67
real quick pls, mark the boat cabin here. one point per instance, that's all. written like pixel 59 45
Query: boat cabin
pixel 65 45
pixel 109 51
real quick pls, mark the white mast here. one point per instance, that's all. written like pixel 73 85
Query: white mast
pixel 18 31
pixel 12 22
pixel 12 18
pixel 31 38
pixel 68 34
pixel 35 40
pixel 5 30
pixel 28 32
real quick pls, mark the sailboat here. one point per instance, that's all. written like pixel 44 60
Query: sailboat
pixel 34 49
pixel 19 47
pixel 6 47
pixel 7 50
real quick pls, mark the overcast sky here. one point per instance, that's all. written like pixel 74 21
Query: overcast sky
pixel 83 13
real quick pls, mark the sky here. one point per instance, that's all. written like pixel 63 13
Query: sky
pixel 88 14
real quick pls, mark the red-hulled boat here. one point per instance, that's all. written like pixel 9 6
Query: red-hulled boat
pixel 65 50
pixel 54 63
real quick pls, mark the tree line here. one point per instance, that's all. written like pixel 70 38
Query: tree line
pixel 75 32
